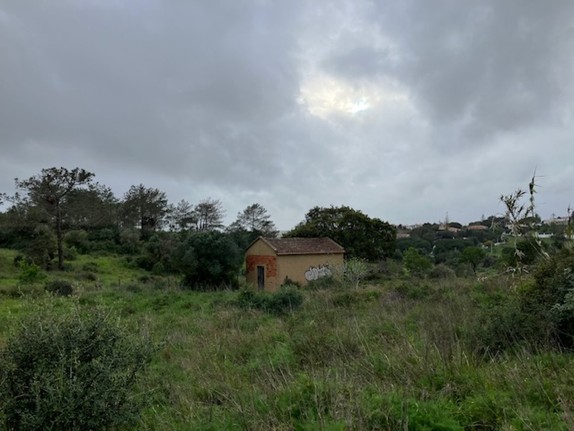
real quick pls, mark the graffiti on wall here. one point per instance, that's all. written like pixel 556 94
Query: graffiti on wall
pixel 315 272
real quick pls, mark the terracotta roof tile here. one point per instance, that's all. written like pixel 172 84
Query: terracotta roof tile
pixel 283 246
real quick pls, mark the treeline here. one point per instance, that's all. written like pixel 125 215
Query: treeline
pixel 61 212
pixel 493 242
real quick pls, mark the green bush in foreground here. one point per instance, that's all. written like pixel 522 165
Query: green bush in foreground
pixel 285 300
pixel 540 314
pixel 70 371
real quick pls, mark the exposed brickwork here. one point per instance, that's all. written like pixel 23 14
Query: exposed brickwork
pixel 270 263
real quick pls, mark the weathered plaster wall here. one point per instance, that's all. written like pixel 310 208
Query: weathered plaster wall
pixel 304 268
pixel 299 268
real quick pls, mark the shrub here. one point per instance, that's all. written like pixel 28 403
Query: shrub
pixel 90 267
pixel 355 271
pixel 77 239
pixel 442 271
pixel 70 371
pixel 30 273
pixel 327 282
pixel 551 297
pixel 249 299
pixel 413 289
pixel 416 263
pixel 285 300
pixel 539 314
pixel 525 252
pixel 59 287
pixel 208 260
pixel 505 326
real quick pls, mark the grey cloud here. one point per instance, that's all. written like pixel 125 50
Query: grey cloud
pixel 201 99
pixel 483 67
pixel 360 62
pixel 113 81
pixel 501 63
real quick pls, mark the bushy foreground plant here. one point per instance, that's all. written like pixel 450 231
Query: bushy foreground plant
pixel 539 314
pixel 70 371
pixel 552 295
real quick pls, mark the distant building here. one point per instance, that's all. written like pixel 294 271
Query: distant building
pixel 448 228
pixel 402 233
pixel 270 261
pixel 558 220
pixel 477 227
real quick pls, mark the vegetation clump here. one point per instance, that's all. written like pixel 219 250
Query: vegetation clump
pixel 285 300
pixel 59 287
pixel 71 370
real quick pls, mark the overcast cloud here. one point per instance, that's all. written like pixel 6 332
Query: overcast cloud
pixel 404 109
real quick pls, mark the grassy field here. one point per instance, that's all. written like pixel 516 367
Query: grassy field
pixel 395 355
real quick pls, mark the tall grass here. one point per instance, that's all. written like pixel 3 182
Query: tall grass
pixel 399 355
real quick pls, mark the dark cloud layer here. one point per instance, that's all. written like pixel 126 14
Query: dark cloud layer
pixel 403 109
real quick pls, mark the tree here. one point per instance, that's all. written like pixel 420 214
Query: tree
pixel 209 215
pixel 209 260
pixel 92 207
pixel 181 217
pixel 474 256
pixel 256 220
pixel 49 190
pixel 361 236
pixel 144 208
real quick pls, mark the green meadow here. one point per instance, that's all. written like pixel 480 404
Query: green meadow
pixel 398 353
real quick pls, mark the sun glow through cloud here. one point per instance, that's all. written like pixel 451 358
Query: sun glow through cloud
pixel 324 96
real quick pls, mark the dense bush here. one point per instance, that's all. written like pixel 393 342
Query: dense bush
pixel 30 273
pixel 70 372
pixel 285 300
pixel 527 252
pixel 78 239
pixel 59 287
pixel 416 263
pixel 504 325
pixel 208 260
pixel 552 295
pixel 539 314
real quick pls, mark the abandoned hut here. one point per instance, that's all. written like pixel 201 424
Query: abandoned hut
pixel 271 261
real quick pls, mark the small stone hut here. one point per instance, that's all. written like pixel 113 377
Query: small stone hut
pixel 270 261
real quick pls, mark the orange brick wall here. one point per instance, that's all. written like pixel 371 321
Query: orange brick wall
pixel 270 263
pixel 279 267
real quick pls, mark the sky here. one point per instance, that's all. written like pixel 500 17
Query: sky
pixel 407 110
